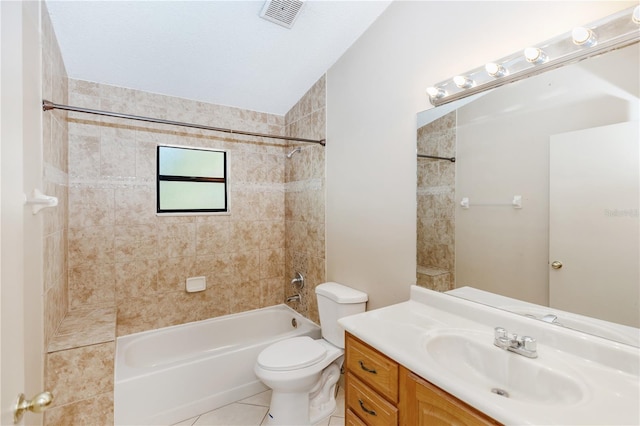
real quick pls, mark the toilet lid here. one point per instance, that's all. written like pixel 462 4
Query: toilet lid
pixel 291 354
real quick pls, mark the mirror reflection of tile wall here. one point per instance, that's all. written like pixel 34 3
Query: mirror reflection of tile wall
pixel 436 205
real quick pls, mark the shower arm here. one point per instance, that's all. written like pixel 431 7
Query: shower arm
pixel 297 149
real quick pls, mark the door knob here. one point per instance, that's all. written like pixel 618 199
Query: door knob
pixel 38 404
pixel 556 264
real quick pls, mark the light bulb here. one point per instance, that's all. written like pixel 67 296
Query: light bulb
pixel 534 55
pixel 583 36
pixel 495 70
pixel 635 17
pixel 463 82
pixel 435 92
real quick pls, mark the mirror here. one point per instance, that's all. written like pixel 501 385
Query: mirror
pixel 539 212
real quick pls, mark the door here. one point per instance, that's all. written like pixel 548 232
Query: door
pixel 593 223
pixel 21 350
pixel 424 404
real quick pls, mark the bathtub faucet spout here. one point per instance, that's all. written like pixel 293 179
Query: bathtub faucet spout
pixel 294 298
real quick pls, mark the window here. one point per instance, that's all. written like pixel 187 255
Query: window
pixel 191 180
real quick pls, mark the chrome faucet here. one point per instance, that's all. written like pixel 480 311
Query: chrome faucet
pixel 298 281
pixel 524 345
pixel 550 318
pixel 294 298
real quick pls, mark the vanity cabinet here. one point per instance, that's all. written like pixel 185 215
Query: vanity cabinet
pixel 423 403
pixel 371 385
pixel 379 391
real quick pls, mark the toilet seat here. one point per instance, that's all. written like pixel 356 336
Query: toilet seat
pixel 292 354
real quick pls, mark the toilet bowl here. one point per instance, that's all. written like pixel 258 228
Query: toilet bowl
pixel 303 373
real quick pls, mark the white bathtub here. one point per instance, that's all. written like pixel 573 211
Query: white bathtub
pixel 171 374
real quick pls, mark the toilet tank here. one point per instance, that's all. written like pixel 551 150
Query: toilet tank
pixel 334 302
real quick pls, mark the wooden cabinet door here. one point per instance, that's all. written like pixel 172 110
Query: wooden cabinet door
pixel 423 404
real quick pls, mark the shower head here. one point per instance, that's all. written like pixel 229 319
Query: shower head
pixel 298 149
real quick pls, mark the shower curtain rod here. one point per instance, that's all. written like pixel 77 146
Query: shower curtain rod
pixel 48 105
pixel 452 159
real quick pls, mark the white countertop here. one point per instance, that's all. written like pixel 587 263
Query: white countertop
pixel 608 372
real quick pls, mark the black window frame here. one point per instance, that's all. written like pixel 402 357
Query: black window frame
pixel 172 178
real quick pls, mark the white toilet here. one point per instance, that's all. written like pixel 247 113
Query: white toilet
pixel 303 372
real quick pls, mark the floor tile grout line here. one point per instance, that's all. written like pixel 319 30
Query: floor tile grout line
pixel 249 403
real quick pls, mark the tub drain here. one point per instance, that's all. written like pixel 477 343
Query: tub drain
pixel 294 323
pixel 500 392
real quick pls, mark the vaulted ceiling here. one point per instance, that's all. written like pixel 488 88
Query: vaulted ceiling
pixel 220 52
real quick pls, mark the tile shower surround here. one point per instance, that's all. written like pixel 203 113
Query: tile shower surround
pixel 305 199
pixel 55 181
pixel 436 205
pixel 126 266
pixel 122 254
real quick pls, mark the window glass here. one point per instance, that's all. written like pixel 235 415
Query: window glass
pixel 191 180
pixel 191 162
pixel 192 195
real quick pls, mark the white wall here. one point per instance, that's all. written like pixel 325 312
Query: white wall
pixel 373 94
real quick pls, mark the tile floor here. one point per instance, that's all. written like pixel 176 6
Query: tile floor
pixel 252 411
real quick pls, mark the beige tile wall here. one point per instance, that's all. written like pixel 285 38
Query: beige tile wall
pixel 305 199
pixel 76 393
pixel 436 205
pixel 121 254
pixel 55 178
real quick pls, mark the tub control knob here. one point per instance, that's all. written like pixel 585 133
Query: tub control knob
pixel 298 281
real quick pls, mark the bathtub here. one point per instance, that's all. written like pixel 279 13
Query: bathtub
pixel 167 375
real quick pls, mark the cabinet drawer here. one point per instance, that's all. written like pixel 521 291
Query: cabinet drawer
pixel 353 420
pixel 373 368
pixel 369 406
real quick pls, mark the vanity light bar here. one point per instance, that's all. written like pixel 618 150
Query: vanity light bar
pixel 612 32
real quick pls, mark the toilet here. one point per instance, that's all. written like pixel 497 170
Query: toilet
pixel 302 372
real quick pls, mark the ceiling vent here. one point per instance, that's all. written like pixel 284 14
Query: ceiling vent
pixel 281 12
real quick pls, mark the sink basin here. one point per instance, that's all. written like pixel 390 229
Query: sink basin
pixel 577 379
pixel 473 360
